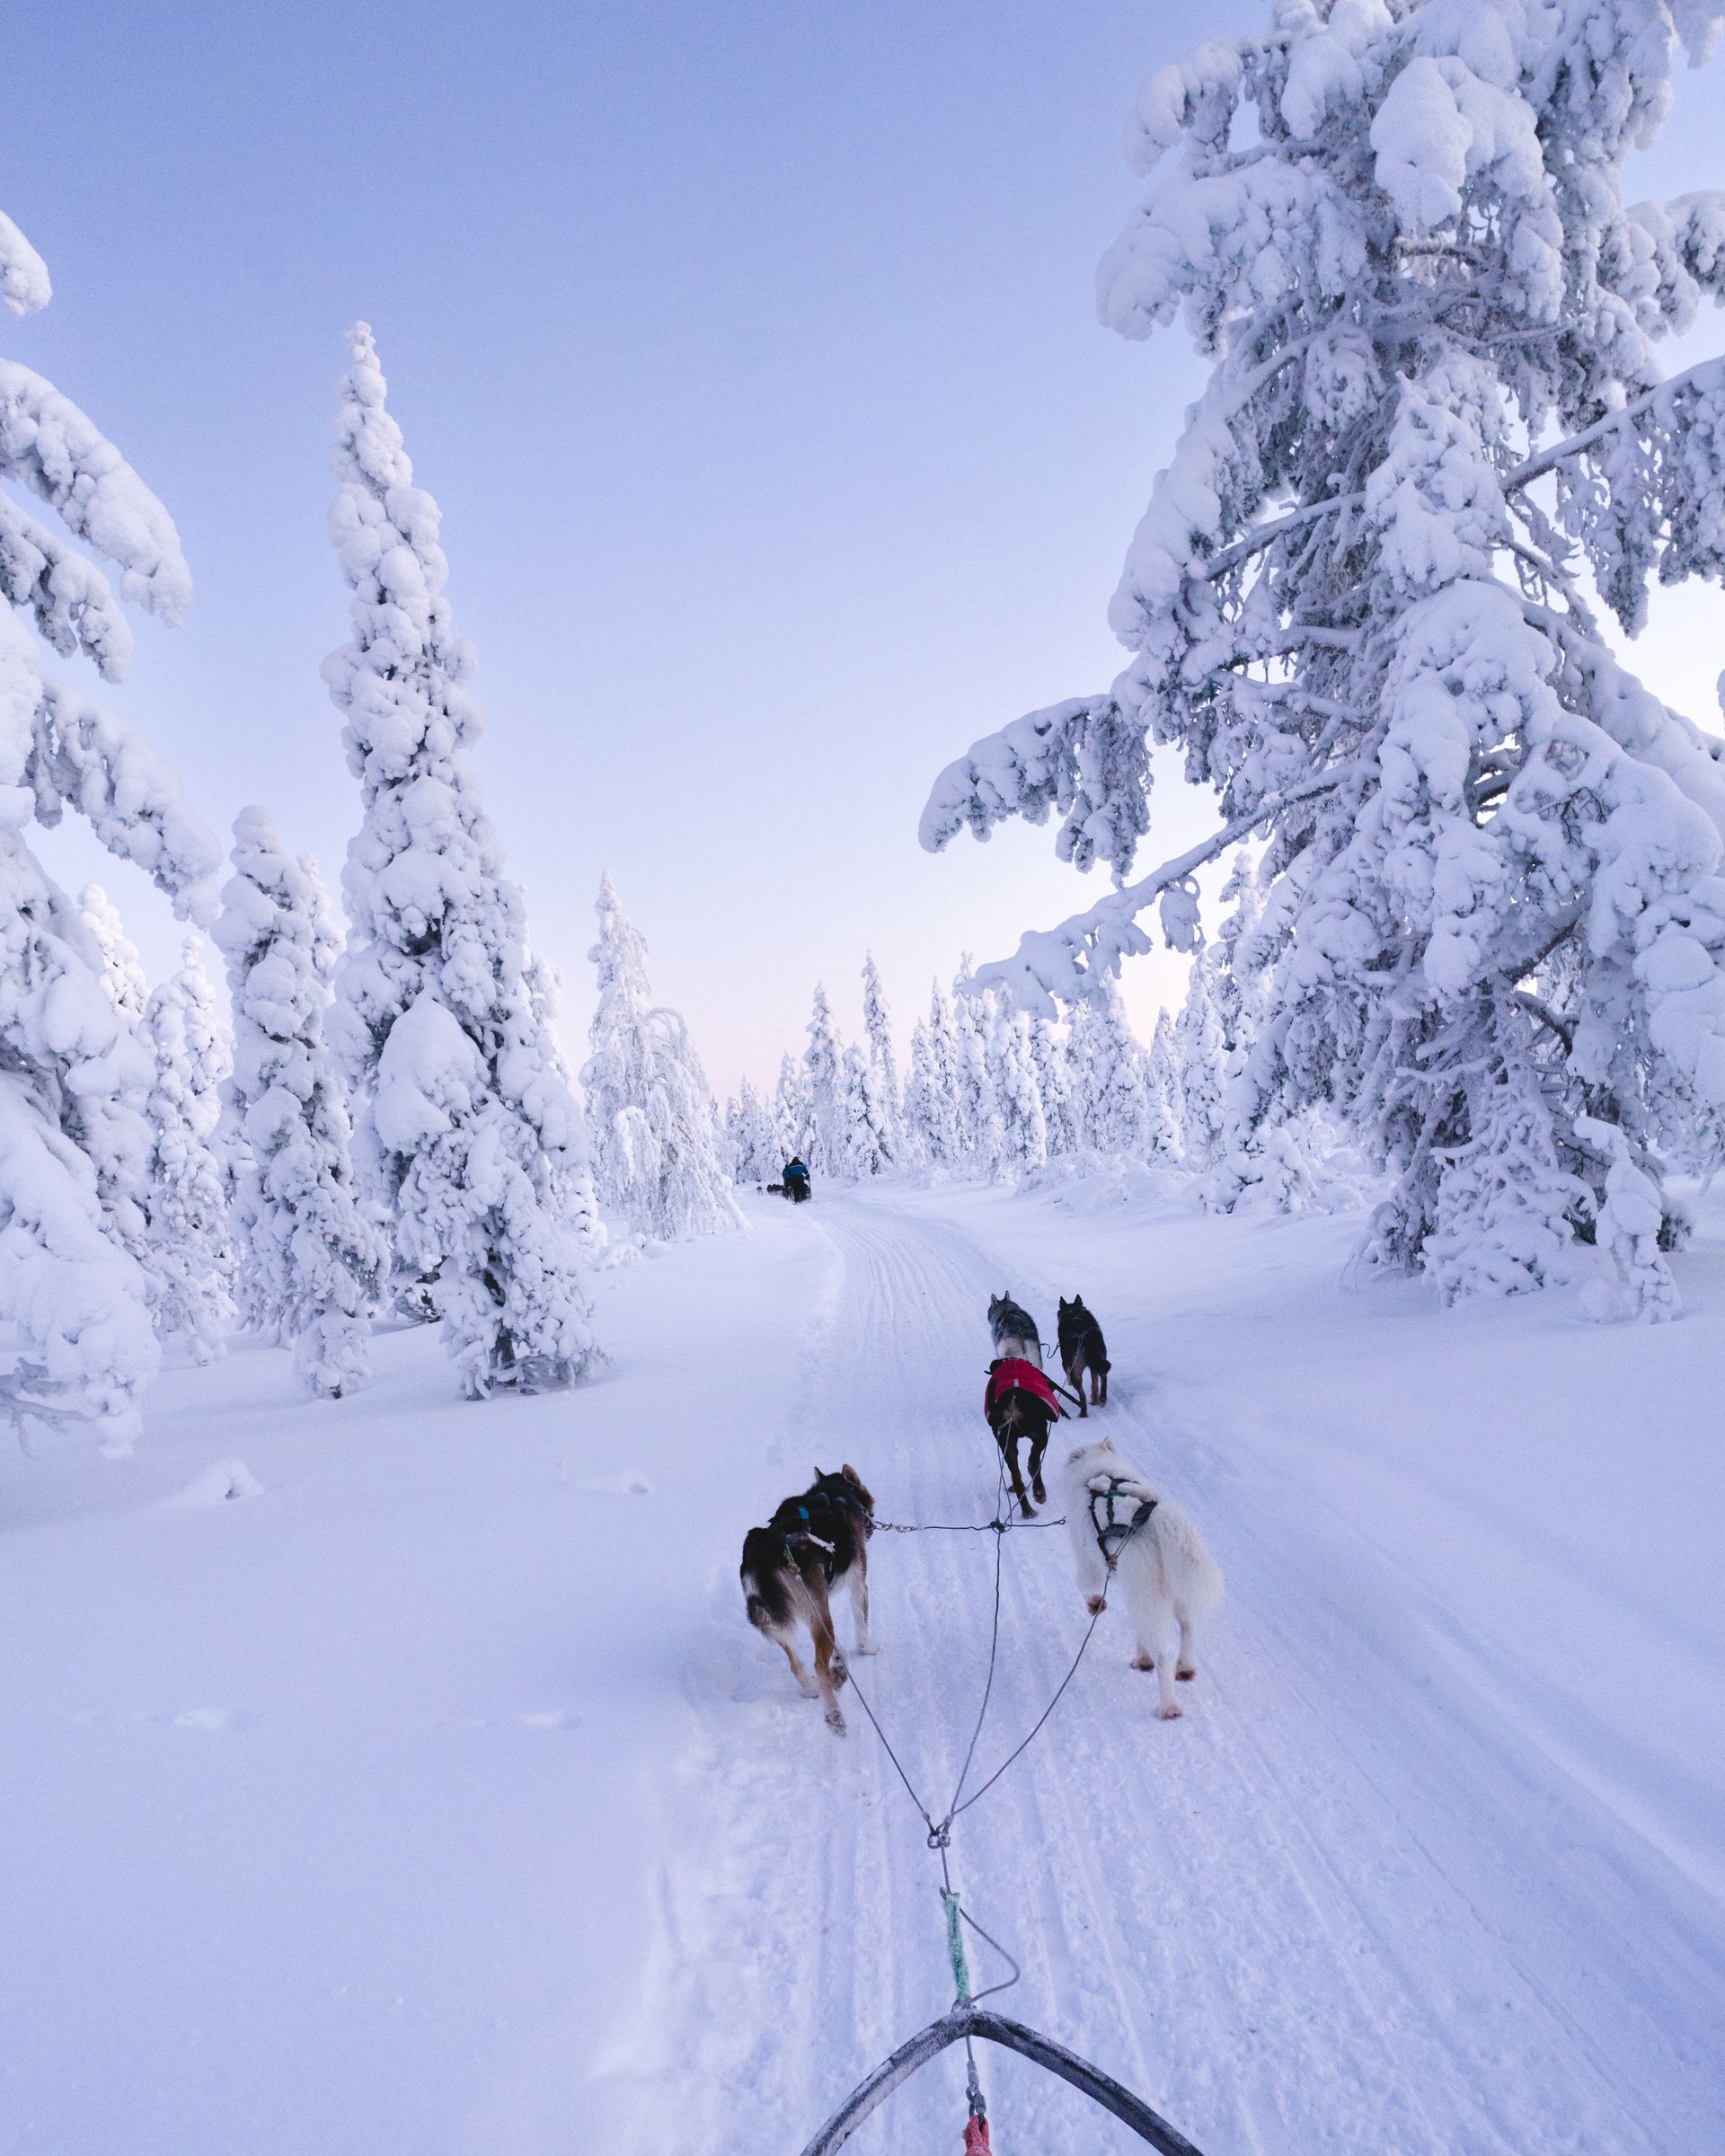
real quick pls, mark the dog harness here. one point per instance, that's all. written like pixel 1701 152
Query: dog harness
pixel 1013 1374
pixel 1113 1532
pixel 806 1532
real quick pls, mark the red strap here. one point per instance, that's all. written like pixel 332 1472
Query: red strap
pixel 976 2136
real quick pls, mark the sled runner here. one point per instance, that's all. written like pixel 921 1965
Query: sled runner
pixel 964 2021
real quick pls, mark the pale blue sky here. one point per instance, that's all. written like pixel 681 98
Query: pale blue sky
pixel 751 353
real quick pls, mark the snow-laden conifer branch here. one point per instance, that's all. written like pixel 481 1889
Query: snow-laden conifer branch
pixel 23 274
pixel 48 445
pixel 1066 963
pixel 72 601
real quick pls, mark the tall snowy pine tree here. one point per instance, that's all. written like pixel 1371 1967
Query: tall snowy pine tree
pixel 185 1188
pixel 74 1073
pixel 656 1149
pixel 820 1060
pixel 883 1063
pixel 463 1123
pixel 311 1265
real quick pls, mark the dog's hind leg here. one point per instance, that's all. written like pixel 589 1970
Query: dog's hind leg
pixel 1038 1445
pixel 1186 1668
pixel 859 1586
pixel 1076 1379
pixel 806 1685
pixel 1010 1446
pixel 1152 1619
pixel 829 1659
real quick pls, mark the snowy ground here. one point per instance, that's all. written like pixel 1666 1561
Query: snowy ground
pixel 437 1800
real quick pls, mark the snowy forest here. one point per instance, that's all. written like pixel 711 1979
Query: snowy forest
pixel 1379 1122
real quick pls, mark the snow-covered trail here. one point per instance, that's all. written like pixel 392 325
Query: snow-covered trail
pixel 1343 1904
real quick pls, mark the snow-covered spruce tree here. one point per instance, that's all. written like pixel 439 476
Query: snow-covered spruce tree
pixel 1238 964
pixel 757 1157
pixel 867 1141
pixel 820 1059
pixel 1084 1075
pixel 921 1111
pixel 657 1154
pixel 1054 1087
pixel 112 1122
pixel 461 1118
pixel 1163 1085
pixel 792 1118
pixel 1255 1149
pixel 190 1253
pixel 1203 1057
pixel 943 1137
pixel 980 1137
pixel 883 1061
pixel 1363 598
pixel 74 1073
pixel 573 1196
pixel 310 1266
pixel 1120 1099
pixel 1025 1135
pixel 120 968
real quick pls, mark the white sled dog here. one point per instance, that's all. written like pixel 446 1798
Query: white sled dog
pixel 1168 1577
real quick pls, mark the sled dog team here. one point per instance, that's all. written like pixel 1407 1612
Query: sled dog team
pixel 1119 1524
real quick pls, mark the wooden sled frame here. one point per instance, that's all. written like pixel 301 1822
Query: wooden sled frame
pixel 971 2021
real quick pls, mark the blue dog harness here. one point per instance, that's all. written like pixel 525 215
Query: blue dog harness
pixel 1113 1533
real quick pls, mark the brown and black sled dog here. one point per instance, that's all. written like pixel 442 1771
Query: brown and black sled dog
pixel 791 1565
pixel 1081 1349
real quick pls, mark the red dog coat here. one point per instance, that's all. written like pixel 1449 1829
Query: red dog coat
pixel 1013 1374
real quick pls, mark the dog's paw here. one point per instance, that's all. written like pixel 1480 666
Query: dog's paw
pixel 872 1649
pixel 1169 1714
pixel 836 1721
pixel 1142 1661
pixel 1186 1676
pixel 1094 1605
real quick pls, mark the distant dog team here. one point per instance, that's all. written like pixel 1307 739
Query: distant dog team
pixel 1120 1525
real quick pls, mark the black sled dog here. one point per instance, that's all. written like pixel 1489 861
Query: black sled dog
pixel 789 1567
pixel 1082 1349
pixel 1019 1403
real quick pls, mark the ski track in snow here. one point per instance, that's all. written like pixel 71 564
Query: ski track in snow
pixel 1343 1904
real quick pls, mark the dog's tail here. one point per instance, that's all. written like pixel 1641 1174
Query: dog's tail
pixel 1198 1581
pixel 762 1573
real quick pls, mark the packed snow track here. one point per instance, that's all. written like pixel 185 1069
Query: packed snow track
pixel 1339 1906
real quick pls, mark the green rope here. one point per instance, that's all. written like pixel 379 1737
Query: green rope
pixel 955 1947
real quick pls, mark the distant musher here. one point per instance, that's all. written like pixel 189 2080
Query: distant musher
pixel 795 1179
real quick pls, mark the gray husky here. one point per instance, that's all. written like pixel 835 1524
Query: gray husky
pixel 1013 1330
